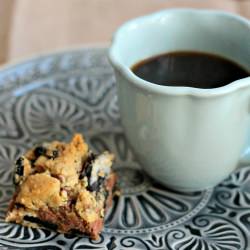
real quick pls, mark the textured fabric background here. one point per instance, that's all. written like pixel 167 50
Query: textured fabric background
pixel 29 27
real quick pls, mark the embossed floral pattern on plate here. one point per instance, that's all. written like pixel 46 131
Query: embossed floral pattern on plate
pixel 53 96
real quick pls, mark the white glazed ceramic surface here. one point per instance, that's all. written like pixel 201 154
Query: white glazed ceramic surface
pixel 186 138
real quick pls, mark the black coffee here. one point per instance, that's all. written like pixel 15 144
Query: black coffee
pixel 192 69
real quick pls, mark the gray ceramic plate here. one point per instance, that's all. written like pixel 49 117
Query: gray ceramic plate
pixel 53 96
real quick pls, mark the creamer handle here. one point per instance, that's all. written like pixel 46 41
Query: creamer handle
pixel 245 156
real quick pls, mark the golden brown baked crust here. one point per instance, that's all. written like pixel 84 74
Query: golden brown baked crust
pixel 62 186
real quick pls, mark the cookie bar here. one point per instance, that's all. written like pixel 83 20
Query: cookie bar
pixel 63 187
